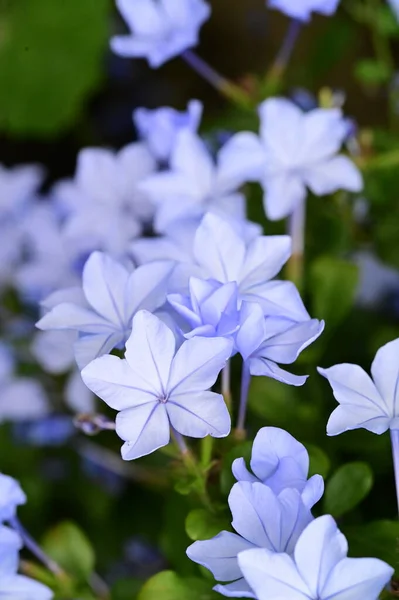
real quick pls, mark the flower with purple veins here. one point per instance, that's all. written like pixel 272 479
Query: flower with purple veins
pixel 295 150
pixel 103 311
pixel 156 388
pixel 262 519
pixel 159 29
pixel 192 186
pixel 318 570
pixel 279 461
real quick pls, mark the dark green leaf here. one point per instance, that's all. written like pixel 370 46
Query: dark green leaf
pixel 51 56
pixel 319 461
pixel 372 72
pixel 70 548
pixel 334 283
pixel 379 539
pixel 348 486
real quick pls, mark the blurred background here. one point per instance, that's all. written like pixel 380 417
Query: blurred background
pixel 61 89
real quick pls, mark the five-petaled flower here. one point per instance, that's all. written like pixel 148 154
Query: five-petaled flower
pixel 155 388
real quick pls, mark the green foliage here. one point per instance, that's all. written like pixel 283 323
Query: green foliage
pixel 51 55
pixel 378 538
pixel 347 487
pixel 319 463
pixel 333 282
pixel 372 72
pixel 227 479
pixel 167 585
pixel 202 525
pixel 70 548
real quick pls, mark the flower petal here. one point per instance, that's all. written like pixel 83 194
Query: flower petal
pixel 145 429
pixel 262 367
pixel 219 555
pixel 354 578
pixel 198 414
pixel 197 364
pixel 385 372
pixel 337 173
pixel 265 257
pixel 112 379
pixel 147 287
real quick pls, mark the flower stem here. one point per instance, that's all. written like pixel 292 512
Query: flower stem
pixel 285 52
pixel 226 87
pixel 296 229
pixel 245 383
pixel 226 389
pixel 33 547
pixel 395 454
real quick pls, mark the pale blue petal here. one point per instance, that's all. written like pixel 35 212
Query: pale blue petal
pixel 219 555
pixel 351 416
pixel 197 364
pixel 272 576
pixel 279 299
pixel 145 429
pixel 10 545
pixel 337 173
pixel 20 587
pixel 385 372
pixel 288 339
pixel 147 287
pixel 11 496
pixel 219 249
pixel 90 346
pixel 241 159
pixel 198 414
pixel 264 258
pixel 150 350
pixel 355 578
pixel 241 472
pixel 319 549
pixel 262 367
pixel 284 192
pixel 313 490
pixel 237 589
pixel 252 329
pixel 112 379
pixel 104 285
pixel 71 316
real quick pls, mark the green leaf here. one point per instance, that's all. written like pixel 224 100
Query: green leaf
pixel 319 461
pixel 202 525
pixel 126 589
pixel 379 539
pixel 167 585
pixel 51 57
pixel 347 487
pixel 372 72
pixel 334 282
pixel 70 548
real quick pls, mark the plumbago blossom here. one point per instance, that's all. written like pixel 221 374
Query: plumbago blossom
pixel 303 9
pixel 192 186
pixel 13 585
pixel 159 128
pixel 262 519
pixel 394 4
pixel 294 151
pixel 318 570
pixel 269 511
pixel 366 403
pixel 103 206
pixel 102 311
pixel 279 461
pixel 156 388
pixel 160 29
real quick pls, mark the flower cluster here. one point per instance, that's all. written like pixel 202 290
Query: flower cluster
pixel 279 550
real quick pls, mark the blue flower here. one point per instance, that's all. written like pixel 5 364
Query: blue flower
pixel 102 312
pixel 394 4
pixel 103 207
pixel 265 342
pixel 279 461
pixel 319 569
pixel 262 519
pixel 192 186
pixel 160 29
pixel 156 388
pixel 159 128
pixel 302 9
pixel 223 255
pixel 295 150
pixel 211 309
pixel 11 496
pixel 13 585
pixel 366 403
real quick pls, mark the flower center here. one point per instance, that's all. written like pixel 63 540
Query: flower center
pixel 163 399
